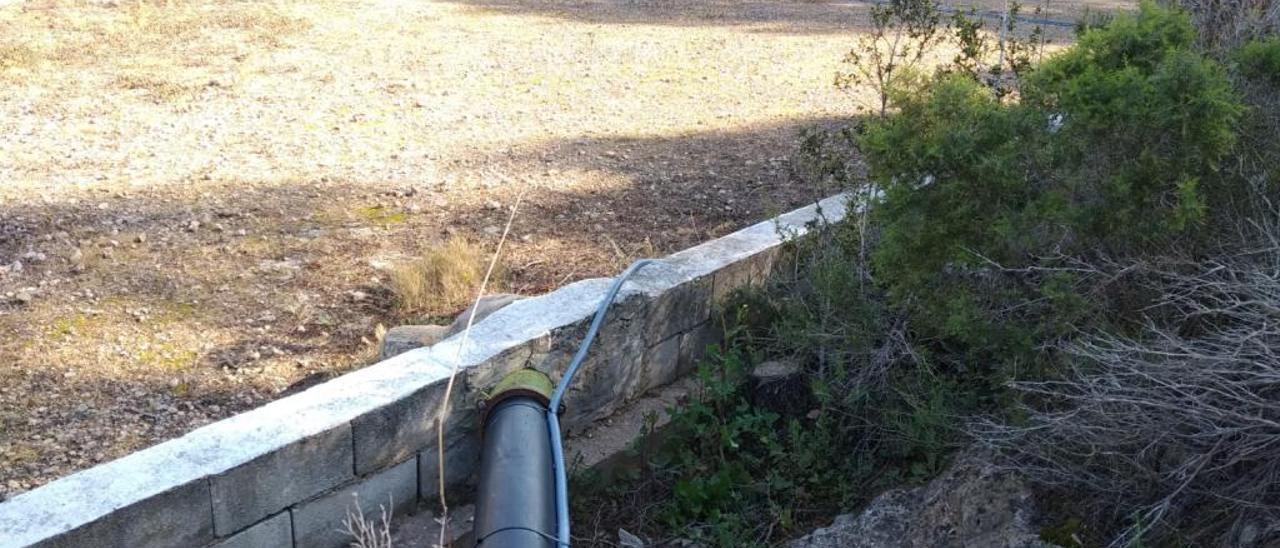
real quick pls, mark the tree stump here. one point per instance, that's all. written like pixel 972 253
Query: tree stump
pixel 781 387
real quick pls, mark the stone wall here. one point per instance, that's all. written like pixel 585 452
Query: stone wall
pixel 286 474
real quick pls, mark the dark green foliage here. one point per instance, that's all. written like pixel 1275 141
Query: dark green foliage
pixel 727 473
pixel 1113 149
pixel 721 451
pixel 1140 40
pixel 974 47
pixel 740 475
pixel 1146 120
pixel 1257 157
pixel 1003 222
pixel 1092 19
pixel 1261 59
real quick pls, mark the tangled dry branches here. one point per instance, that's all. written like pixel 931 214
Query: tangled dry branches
pixel 1228 23
pixel 1176 429
pixel 366 532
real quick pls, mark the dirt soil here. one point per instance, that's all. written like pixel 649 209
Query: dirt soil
pixel 200 201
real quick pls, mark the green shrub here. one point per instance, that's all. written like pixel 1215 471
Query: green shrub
pixel 1146 120
pixel 950 166
pixel 741 475
pixel 1137 40
pixel 1261 59
pixel 1114 149
pixel 1006 228
pixel 726 472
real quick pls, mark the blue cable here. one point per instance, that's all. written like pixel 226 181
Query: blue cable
pixel 553 420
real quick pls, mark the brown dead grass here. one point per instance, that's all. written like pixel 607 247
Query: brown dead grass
pixel 16 56
pixel 444 278
pixel 159 88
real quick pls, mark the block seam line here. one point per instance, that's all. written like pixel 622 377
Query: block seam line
pixel 355 455
pixel 213 514
pixel 293 537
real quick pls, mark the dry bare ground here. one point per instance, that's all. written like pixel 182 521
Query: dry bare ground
pixel 200 201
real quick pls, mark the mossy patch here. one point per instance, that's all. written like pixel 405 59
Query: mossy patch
pixel 166 357
pixel 70 326
pixel 372 214
pixel 381 215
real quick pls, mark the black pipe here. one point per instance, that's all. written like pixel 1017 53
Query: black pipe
pixel 515 506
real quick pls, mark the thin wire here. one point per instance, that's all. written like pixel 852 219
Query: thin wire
pixel 453 374
pixel 553 420
pixel 521 528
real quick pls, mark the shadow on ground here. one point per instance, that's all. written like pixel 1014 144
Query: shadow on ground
pixel 214 302
pixel 806 17
pixel 785 18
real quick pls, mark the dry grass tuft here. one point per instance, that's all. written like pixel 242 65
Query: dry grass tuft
pixel 444 278
pixel 17 56
pixel 159 88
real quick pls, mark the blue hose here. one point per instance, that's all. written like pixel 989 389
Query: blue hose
pixel 553 420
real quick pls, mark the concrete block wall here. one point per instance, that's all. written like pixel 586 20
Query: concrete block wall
pixel 286 474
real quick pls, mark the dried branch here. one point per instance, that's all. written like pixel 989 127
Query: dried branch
pixel 367 533
pixel 1177 429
